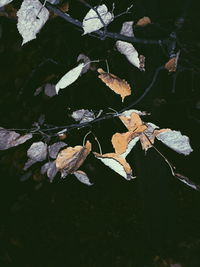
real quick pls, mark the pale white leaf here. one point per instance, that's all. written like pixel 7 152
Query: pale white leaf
pixel 10 139
pixel 82 177
pixel 32 15
pixel 4 2
pixel 127 49
pixel 83 115
pixel 70 77
pixel 55 148
pixel 92 22
pixel 176 141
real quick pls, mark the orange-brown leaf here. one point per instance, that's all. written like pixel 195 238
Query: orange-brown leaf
pixel 119 86
pixel 171 64
pixel 133 122
pixel 71 158
pixel 143 21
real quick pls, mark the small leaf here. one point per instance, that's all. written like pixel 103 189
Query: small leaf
pixel 36 153
pixel 50 169
pixel 49 90
pixel 119 86
pixel 116 163
pixel 10 139
pixel 176 141
pixel 92 22
pixel 55 148
pixel 70 77
pixel 171 65
pixel 83 115
pixel 82 177
pixel 71 158
pixel 133 122
pixel 143 21
pixel 32 15
pixel 86 60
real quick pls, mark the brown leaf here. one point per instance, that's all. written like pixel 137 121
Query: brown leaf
pixel 171 64
pixel 120 141
pixel 143 21
pixel 116 163
pixel 71 158
pixel 133 122
pixel 119 86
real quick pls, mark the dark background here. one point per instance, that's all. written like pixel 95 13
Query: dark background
pixel 115 222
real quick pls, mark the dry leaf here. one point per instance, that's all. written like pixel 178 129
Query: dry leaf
pixel 55 148
pixel 92 22
pixel 49 90
pixel 82 177
pixel 171 64
pixel 10 139
pixel 120 141
pixel 36 153
pixel 50 169
pixel 118 85
pixel 116 163
pixel 70 77
pixel 143 21
pixel 71 158
pixel 176 141
pixel 133 122
pixel 83 115
pixel 127 49
pixel 32 15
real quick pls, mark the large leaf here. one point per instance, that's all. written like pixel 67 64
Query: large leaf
pixel 32 15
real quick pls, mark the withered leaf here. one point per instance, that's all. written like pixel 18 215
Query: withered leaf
pixel 50 169
pixel 83 115
pixel 119 86
pixel 36 153
pixel 133 122
pixel 176 141
pixel 55 148
pixel 143 21
pixel 116 163
pixel 10 139
pixel 71 158
pixel 82 177
pixel 171 64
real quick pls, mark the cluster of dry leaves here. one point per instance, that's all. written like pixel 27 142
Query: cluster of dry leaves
pixel 68 160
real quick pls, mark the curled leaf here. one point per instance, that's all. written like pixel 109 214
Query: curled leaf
pixel 92 22
pixel 86 60
pixel 133 122
pixel 50 169
pixel 116 163
pixel 83 115
pixel 71 158
pixel 70 77
pixel 119 86
pixel 176 141
pixel 36 153
pixel 82 177
pixel 171 65
pixel 10 139
pixel 32 15
pixel 55 148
